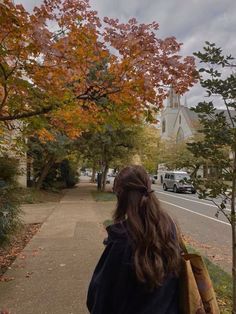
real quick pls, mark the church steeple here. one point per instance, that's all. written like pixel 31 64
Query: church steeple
pixel 173 99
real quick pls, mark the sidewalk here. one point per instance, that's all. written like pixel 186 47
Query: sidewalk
pixel 53 272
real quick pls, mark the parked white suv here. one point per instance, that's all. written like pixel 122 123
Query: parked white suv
pixel 176 181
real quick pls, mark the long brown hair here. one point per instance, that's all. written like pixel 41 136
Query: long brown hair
pixel 155 242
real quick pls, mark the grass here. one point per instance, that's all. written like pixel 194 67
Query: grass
pixel 32 196
pixel 221 281
pixel 103 196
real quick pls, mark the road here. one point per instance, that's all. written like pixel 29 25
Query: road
pixel 197 220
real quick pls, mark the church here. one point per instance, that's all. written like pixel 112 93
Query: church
pixel 178 122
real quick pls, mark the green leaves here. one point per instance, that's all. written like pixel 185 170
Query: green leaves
pixel 217 80
pixel 217 147
pixel 213 55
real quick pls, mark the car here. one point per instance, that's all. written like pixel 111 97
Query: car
pixel 178 181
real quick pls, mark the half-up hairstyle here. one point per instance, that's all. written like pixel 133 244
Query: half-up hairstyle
pixel 156 250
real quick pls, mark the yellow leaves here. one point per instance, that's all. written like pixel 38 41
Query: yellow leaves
pixel 45 136
pixel 1 131
pixel 73 133
pixel 74 119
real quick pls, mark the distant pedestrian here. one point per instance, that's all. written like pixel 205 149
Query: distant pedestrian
pixel 138 270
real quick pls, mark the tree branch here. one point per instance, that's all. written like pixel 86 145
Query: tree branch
pixel 45 110
pixel 27 114
pixel 229 113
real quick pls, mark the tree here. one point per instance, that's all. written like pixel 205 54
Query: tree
pixel 107 147
pixel 82 61
pixel 177 156
pixel 218 145
pixel 45 153
pixel 147 146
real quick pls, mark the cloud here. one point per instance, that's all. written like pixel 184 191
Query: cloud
pixel 192 22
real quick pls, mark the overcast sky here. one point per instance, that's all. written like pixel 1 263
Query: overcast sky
pixel 192 22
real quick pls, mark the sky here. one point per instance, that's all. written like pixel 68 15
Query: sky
pixel 192 22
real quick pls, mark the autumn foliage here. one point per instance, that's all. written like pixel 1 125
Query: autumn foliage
pixel 64 60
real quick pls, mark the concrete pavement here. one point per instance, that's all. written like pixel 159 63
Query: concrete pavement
pixel 53 272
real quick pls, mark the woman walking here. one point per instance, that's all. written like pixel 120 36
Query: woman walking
pixel 138 270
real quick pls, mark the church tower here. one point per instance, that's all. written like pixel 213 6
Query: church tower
pixel 169 114
pixel 173 99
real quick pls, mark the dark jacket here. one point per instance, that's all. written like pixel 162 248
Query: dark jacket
pixel 114 288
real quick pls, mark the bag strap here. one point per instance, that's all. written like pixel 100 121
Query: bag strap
pixel 182 244
pixel 180 239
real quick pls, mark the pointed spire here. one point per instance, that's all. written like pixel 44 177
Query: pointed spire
pixel 173 99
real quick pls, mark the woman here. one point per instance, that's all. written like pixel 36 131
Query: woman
pixel 138 270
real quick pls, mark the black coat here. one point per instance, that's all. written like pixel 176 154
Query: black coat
pixel 114 288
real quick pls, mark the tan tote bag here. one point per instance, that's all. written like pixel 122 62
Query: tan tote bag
pixel 196 295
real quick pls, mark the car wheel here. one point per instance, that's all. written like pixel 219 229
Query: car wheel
pixel 193 192
pixel 175 189
pixel 164 187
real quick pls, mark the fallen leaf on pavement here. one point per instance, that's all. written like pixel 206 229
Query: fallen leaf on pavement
pixel 6 278
pixel 28 274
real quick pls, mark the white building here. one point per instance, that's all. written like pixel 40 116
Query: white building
pixel 178 122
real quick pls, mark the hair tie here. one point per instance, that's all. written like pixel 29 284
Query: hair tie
pixel 148 192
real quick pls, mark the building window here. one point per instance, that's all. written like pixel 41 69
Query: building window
pixel 180 119
pixel 163 126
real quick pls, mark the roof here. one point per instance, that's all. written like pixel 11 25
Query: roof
pixel 193 116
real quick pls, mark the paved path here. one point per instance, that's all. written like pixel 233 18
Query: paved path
pixel 53 271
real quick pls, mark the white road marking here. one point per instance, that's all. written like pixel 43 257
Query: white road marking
pixel 191 211
pixel 189 199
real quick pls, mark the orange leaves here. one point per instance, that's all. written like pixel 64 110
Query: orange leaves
pixel 145 57
pixel 75 120
pixel 45 136
pixel 82 70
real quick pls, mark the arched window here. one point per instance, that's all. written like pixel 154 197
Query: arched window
pixel 163 126
pixel 180 135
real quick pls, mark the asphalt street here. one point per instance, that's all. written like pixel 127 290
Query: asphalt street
pixel 197 220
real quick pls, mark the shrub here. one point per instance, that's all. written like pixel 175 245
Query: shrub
pixel 69 173
pixel 8 169
pixel 53 177
pixel 9 202
pixel 9 213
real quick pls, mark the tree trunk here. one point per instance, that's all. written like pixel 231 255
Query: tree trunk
pixel 233 224
pixel 44 173
pixel 195 170
pixel 99 181
pixel 234 263
pixel 93 173
pixel 104 177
